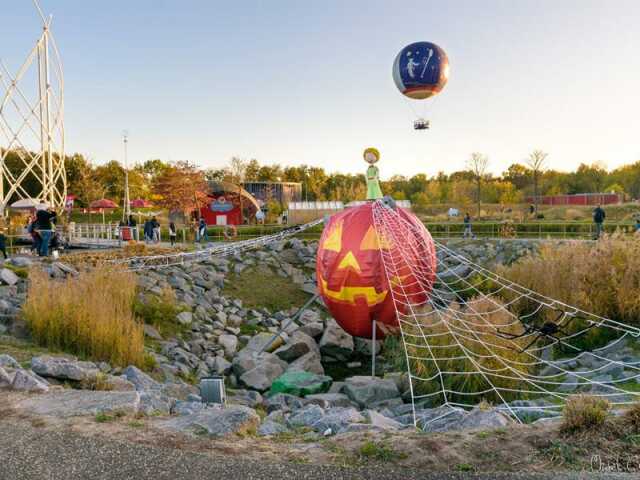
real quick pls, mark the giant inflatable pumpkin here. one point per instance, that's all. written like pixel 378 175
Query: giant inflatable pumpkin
pixel 351 275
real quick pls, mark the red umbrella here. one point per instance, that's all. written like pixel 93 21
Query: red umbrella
pixel 140 203
pixel 103 203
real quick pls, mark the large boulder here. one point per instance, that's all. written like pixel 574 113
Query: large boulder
pixel 27 382
pixel 329 400
pixel 301 383
pixel 338 419
pixel 8 361
pixel 263 341
pixel 306 416
pixel 5 378
pixel 141 380
pixel 335 342
pixel 262 376
pixel 229 343
pixel 216 422
pixel 298 344
pixel 310 362
pixel 248 359
pixel 366 391
pixel 8 276
pixel 185 318
pixel 73 403
pixel 64 368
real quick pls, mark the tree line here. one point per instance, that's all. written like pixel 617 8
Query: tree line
pixel 162 182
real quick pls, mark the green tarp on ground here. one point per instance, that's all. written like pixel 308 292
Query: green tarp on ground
pixel 300 384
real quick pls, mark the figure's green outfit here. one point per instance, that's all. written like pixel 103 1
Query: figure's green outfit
pixel 373 185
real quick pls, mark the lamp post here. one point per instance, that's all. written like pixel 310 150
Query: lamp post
pixel 126 211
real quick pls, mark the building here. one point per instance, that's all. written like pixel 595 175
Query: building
pixel 228 204
pixel 579 199
pixel 283 192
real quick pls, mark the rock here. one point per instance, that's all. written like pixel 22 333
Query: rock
pixel 337 419
pixel 155 403
pixel 219 366
pixel 301 383
pixel 369 390
pixel 248 398
pixel 363 346
pixel 185 318
pixel 314 329
pixel 271 427
pixel 262 376
pixel 306 416
pixel 297 345
pixel 329 400
pixel 248 359
pixel 118 384
pixel 25 381
pixel 8 361
pixel 216 422
pixel 64 368
pixel 310 362
pixel 229 343
pixel 151 332
pixel 72 403
pixel 379 421
pixel 261 340
pixel 335 342
pixel 8 276
pixel 5 379
pixel 283 402
pixel 141 380
pixel 187 408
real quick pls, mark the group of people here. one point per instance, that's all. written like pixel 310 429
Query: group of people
pixel 41 228
pixel 151 230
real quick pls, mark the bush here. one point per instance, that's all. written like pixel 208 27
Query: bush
pixel 90 315
pixel 584 412
pixel 603 278
pixel 160 311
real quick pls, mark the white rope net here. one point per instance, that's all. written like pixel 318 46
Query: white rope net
pixel 472 336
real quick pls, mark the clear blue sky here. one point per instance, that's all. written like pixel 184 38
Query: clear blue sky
pixel 310 82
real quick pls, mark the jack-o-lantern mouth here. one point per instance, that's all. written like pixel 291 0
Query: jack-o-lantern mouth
pixel 350 294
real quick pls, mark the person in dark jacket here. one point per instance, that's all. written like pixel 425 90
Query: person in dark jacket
pixel 598 219
pixel 173 231
pixel 202 231
pixel 3 244
pixel 148 231
pixel 45 218
pixel 131 223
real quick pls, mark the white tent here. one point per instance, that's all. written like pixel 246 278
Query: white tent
pixel 28 204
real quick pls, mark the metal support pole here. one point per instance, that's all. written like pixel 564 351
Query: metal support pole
pixel 373 349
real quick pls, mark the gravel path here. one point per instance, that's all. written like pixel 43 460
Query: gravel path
pixel 28 453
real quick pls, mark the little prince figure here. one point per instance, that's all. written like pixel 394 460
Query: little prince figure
pixel 371 156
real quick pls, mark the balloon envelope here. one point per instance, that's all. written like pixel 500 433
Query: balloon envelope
pixel 353 281
pixel 421 70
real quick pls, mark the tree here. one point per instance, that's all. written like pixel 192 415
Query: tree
pixel 181 187
pixel 535 162
pixel 477 166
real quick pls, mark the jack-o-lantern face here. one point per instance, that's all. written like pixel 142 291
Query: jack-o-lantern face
pixel 351 277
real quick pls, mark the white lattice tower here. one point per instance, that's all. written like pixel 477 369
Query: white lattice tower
pixel 32 125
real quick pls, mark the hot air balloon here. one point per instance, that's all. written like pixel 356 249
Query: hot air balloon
pixel 420 71
pixel 351 276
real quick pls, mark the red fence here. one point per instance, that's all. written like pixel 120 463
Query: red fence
pixel 579 199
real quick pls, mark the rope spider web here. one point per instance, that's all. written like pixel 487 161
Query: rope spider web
pixel 472 335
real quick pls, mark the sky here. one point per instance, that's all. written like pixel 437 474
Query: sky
pixel 295 82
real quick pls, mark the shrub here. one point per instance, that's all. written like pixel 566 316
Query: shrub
pixel 90 315
pixel 584 412
pixel 160 311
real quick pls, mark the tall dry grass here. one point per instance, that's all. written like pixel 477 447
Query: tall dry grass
pixel 90 315
pixel 602 278
pixel 465 342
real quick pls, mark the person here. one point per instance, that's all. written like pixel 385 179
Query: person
pixel 202 230
pixel 156 230
pixel 467 226
pixel 35 238
pixel 134 227
pixel 148 231
pixel 44 225
pixel 3 244
pixel 638 223
pixel 598 218
pixel 172 233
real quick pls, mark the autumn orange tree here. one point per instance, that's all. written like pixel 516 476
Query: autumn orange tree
pixel 180 187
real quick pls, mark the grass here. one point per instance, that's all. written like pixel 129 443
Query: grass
pixel 102 417
pixel 160 312
pixel 261 287
pixel 380 451
pixel 98 383
pixel 90 315
pixel 21 350
pixel 584 412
